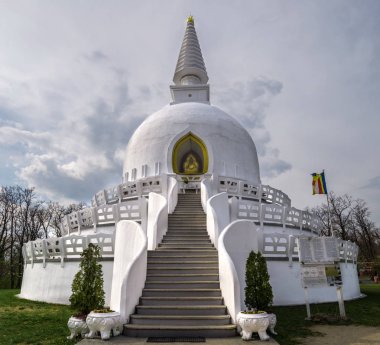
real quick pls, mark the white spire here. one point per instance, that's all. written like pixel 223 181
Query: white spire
pixel 190 76
pixel 190 67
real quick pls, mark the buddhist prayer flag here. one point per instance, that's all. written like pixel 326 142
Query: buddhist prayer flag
pixel 319 183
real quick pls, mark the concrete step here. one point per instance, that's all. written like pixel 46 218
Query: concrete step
pixel 191 228
pixel 181 310
pixel 153 263
pixel 187 225
pixel 173 285
pixel 170 252
pixel 170 235
pixel 183 270
pixel 181 301
pixel 185 239
pixel 182 277
pixel 187 232
pixel 176 251
pixel 189 208
pixel 182 258
pixel 188 221
pixel 185 245
pixel 197 230
pixel 144 331
pixel 180 320
pixel 184 291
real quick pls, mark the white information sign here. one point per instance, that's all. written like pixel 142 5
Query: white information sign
pixel 318 250
pixel 313 275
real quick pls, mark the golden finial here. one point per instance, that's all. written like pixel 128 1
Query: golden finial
pixel 190 19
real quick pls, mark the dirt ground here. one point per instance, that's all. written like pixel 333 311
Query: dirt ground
pixel 344 335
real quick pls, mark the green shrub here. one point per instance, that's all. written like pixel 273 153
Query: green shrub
pixel 87 286
pixel 258 291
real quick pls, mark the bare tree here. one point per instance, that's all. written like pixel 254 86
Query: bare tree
pixel 350 221
pixel 25 217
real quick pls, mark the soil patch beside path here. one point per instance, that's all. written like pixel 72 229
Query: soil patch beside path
pixel 347 335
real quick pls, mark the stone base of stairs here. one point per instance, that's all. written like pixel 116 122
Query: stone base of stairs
pixel 213 331
pixel 122 340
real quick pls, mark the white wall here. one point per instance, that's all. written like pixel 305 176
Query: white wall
pixel 52 284
pixel 235 244
pixel 288 290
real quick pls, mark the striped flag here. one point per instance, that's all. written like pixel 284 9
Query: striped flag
pixel 319 183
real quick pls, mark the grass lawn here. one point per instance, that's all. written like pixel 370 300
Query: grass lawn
pixel 291 321
pixel 26 322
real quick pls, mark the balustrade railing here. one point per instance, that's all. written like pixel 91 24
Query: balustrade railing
pixel 63 248
pixel 92 217
pixel 272 245
pixel 244 189
pixel 127 190
pixel 275 214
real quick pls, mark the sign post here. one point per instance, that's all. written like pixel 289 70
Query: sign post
pixel 342 310
pixel 307 304
pixel 319 259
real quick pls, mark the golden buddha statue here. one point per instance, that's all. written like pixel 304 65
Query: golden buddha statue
pixel 191 166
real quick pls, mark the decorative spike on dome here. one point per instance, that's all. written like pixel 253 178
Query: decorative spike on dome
pixel 190 67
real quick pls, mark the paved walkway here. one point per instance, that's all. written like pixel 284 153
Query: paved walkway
pixel 121 340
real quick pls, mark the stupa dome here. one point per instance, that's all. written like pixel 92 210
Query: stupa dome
pixel 230 149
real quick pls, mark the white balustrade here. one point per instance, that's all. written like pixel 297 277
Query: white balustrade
pixel 294 217
pixel 248 209
pixel 151 184
pixel 249 190
pixel 67 247
pixel 112 195
pixel 103 241
pixel 74 245
pixel 306 220
pixel 105 215
pixel 86 218
pixel 100 197
pixel 275 245
pixel 73 220
pixel 128 190
pixel 132 209
pixel 65 225
pixel 229 185
pixel 275 196
pixel 272 214
pixel 129 210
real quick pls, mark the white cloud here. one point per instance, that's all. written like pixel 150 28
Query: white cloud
pixel 78 78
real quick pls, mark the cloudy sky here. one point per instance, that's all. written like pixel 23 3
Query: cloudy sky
pixel 78 77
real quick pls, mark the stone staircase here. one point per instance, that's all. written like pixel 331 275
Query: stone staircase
pixel 182 297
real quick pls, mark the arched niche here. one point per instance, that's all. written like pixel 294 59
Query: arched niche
pixel 190 156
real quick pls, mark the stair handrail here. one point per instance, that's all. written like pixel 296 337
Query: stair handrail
pixel 228 278
pixel 234 245
pixel 218 216
pixel 129 267
pixel 172 194
pixel 205 192
pixel 157 219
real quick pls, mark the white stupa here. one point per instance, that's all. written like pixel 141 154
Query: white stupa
pixel 176 233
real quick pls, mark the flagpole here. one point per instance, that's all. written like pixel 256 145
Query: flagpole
pixel 328 210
